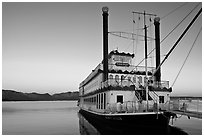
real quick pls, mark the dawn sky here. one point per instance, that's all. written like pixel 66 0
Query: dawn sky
pixel 52 47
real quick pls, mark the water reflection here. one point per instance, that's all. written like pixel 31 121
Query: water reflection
pixel 90 126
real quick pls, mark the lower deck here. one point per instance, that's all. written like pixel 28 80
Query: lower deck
pixel 117 101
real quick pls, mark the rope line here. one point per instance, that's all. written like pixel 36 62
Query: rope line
pixel 133 28
pixel 171 31
pixel 169 13
pixel 179 23
pixel 187 57
pixel 173 11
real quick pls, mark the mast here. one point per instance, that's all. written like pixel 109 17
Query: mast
pixel 146 85
pixel 105 43
pixel 146 72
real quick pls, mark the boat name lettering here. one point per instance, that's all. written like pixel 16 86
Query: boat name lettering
pixel 122 64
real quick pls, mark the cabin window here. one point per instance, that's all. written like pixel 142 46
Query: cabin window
pixel 120 98
pixel 161 99
pixel 116 58
pixel 94 100
pixel 145 79
pixel 104 96
pixel 111 79
pixel 140 79
pixel 129 81
pixel 129 78
pixel 130 61
pixel 122 78
pixel 110 76
pixel 134 79
pixel 117 79
pixel 97 101
pixel 101 101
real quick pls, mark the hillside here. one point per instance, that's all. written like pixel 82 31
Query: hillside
pixel 67 96
pixel 11 95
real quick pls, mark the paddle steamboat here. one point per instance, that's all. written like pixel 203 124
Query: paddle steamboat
pixel 119 92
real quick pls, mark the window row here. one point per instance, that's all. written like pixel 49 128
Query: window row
pixel 90 100
pixel 90 86
pixel 132 79
pixel 101 101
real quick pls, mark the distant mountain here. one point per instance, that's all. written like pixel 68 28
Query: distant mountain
pixel 39 97
pixel 11 95
pixel 66 96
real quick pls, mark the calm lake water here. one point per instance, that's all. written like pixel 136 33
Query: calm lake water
pixel 62 118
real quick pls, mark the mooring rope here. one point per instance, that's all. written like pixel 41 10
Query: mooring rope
pixel 187 56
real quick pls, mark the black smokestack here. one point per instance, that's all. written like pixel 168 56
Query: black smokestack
pixel 157 46
pixel 105 43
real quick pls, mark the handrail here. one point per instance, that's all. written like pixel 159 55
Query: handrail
pixel 161 84
pixel 132 68
pixel 155 93
pixel 155 98
pixel 128 107
pixel 168 101
pixel 118 82
pixel 122 107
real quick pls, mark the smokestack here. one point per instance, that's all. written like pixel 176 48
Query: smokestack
pixel 105 43
pixel 157 46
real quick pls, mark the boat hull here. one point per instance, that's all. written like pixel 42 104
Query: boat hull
pixel 146 120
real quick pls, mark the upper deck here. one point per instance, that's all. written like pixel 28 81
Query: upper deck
pixel 113 68
pixel 119 63
pixel 122 75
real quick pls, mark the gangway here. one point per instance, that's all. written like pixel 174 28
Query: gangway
pixel 188 113
pixel 189 106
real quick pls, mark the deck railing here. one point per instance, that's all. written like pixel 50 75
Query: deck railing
pixel 115 83
pixel 161 84
pixel 128 83
pixel 194 105
pixel 130 68
pixel 189 107
pixel 133 107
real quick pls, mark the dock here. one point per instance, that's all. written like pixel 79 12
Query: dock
pixel 189 106
pixel 188 113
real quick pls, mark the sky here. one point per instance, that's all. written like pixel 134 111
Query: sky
pixel 52 47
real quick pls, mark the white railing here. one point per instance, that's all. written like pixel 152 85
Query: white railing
pixel 131 107
pixel 154 96
pixel 161 84
pixel 117 83
pixel 186 105
pixel 130 68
